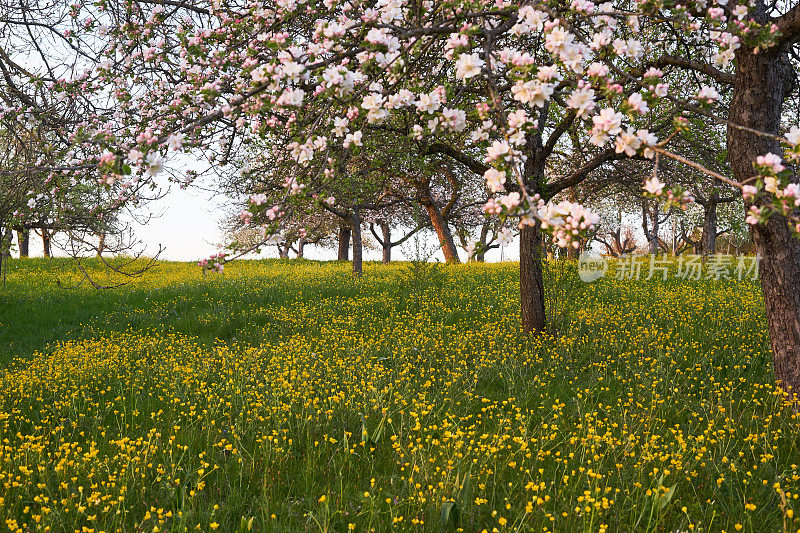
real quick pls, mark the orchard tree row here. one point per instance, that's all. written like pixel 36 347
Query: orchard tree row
pixel 352 108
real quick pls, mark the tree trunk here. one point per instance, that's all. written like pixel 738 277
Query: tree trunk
pixel 651 234
pixel 101 244
pixel 483 242
pixel 531 240
pixel 439 224
pixel 6 234
pixel 3 246
pixel 355 225
pixel 759 90
pixel 344 241
pixel 444 234
pixel 709 238
pixel 46 235
pixel 531 282
pixel 654 236
pixel 301 244
pixel 283 251
pixel 387 241
pixel 24 238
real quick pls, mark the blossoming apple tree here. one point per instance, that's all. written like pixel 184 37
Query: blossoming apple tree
pixel 207 75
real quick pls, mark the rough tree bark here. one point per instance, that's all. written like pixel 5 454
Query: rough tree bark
pixel 301 245
pixel 651 234
pixel 46 235
pixel 344 241
pixel 531 279
pixel 5 243
pixel 439 223
pixel 654 239
pixel 709 237
pixel 24 238
pixel 355 225
pixel 759 89
pixel 531 282
pixel 101 244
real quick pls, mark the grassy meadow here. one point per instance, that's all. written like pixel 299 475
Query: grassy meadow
pixel 288 396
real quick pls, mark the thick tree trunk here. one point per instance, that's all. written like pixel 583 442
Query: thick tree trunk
pixel 531 282
pixel 709 238
pixel 654 235
pixel 756 103
pixel 650 230
pixel 2 257
pixel 24 239
pixel 46 235
pixel 5 244
pixel 780 283
pixel 531 241
pixel 387 241
pixel 344 241
pixel 439 224
pixel 443 232
pixel 355 225
pixel 283 251
pixel 301 244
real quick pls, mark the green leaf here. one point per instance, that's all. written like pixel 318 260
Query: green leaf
pixel 666 498
pixel 451 514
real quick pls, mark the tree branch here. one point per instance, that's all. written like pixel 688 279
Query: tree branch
pixel 579 175
pixel 474 165
pixel 698 66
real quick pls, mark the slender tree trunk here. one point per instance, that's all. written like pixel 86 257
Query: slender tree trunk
pixel 387 241
pixel 101 244
pixel 483 242
pixel 355 225
pixel 301 244
pixel 46 236
pixel 344 241
pixel 531 282
pixel 23 238
pixel 759 90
